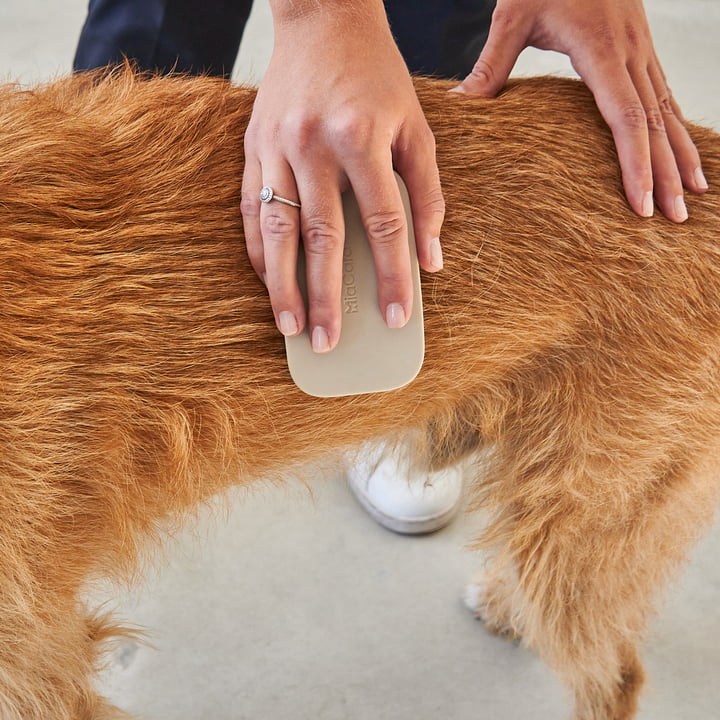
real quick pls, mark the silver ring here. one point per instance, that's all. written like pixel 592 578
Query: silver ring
pixel 267 194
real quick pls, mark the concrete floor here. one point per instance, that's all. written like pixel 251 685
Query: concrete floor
pixel 288 607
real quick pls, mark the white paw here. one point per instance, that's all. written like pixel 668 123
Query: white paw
pixel 474 598
pixel 493 608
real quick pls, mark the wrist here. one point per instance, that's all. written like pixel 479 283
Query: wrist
pixel 337 14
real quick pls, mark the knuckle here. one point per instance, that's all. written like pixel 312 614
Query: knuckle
pixel 249 205
pixel 295 129
pixel 605 35
pixel 303 131
pixel 430 203
pixel 276 227
pixel 385 227
pixel 633 116
pixel 605 39
pixel 418 145
pixel 416 142
pixel 655 121
pixel 483 72
pixel 665 101
pixel 323 308
pixel 435 203
pixel 632 36
pixel 637 36
pixel 353 132
pixel 320 236
pixel 391 278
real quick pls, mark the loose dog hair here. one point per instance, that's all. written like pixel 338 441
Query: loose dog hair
pixel 141 372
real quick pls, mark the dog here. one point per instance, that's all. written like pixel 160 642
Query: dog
pixel 142 373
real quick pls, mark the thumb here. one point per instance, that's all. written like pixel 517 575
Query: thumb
pixel 505 42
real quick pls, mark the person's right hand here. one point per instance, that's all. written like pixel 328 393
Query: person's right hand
pixel 337 108
pixel 609 44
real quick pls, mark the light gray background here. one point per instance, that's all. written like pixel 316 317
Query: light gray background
pixel 288 607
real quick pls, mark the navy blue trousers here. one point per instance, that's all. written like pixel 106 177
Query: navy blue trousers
pixel 436 37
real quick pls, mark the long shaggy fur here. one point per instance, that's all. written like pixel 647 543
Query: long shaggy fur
pixel 141 372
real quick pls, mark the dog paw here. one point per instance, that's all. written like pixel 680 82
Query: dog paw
pixel 473 599
pixel 492 608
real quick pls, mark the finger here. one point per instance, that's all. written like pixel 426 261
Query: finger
pixel 250 209
pixel 323 234
pixel 667 185
pixel 280 228
pixel 385 222
pixel 507 38
pixel 683 147
pixel 417 166
pixel 620 105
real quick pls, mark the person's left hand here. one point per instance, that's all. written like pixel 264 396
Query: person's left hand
pixel 610 47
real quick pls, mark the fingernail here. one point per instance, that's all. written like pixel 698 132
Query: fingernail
pixel 681 212
pixel 436 256
pixel 288 323
pixel 648 208
pixel 700 180
pixel 320 340
pixel 395 315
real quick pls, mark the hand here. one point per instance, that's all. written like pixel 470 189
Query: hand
pixel 609 44
pixel 337 108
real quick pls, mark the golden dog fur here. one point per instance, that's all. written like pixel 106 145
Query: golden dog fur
pixel 141 371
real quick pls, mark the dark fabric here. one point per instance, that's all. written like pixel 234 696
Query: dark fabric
pixel 436 37
pixel 464 37
pixel 195 36
pixel 440 37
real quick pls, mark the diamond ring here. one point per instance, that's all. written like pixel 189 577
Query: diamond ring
pixel 267 194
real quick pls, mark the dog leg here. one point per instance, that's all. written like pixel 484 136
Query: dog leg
pixel 53 538
pixel 589 523
pixel 48 657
